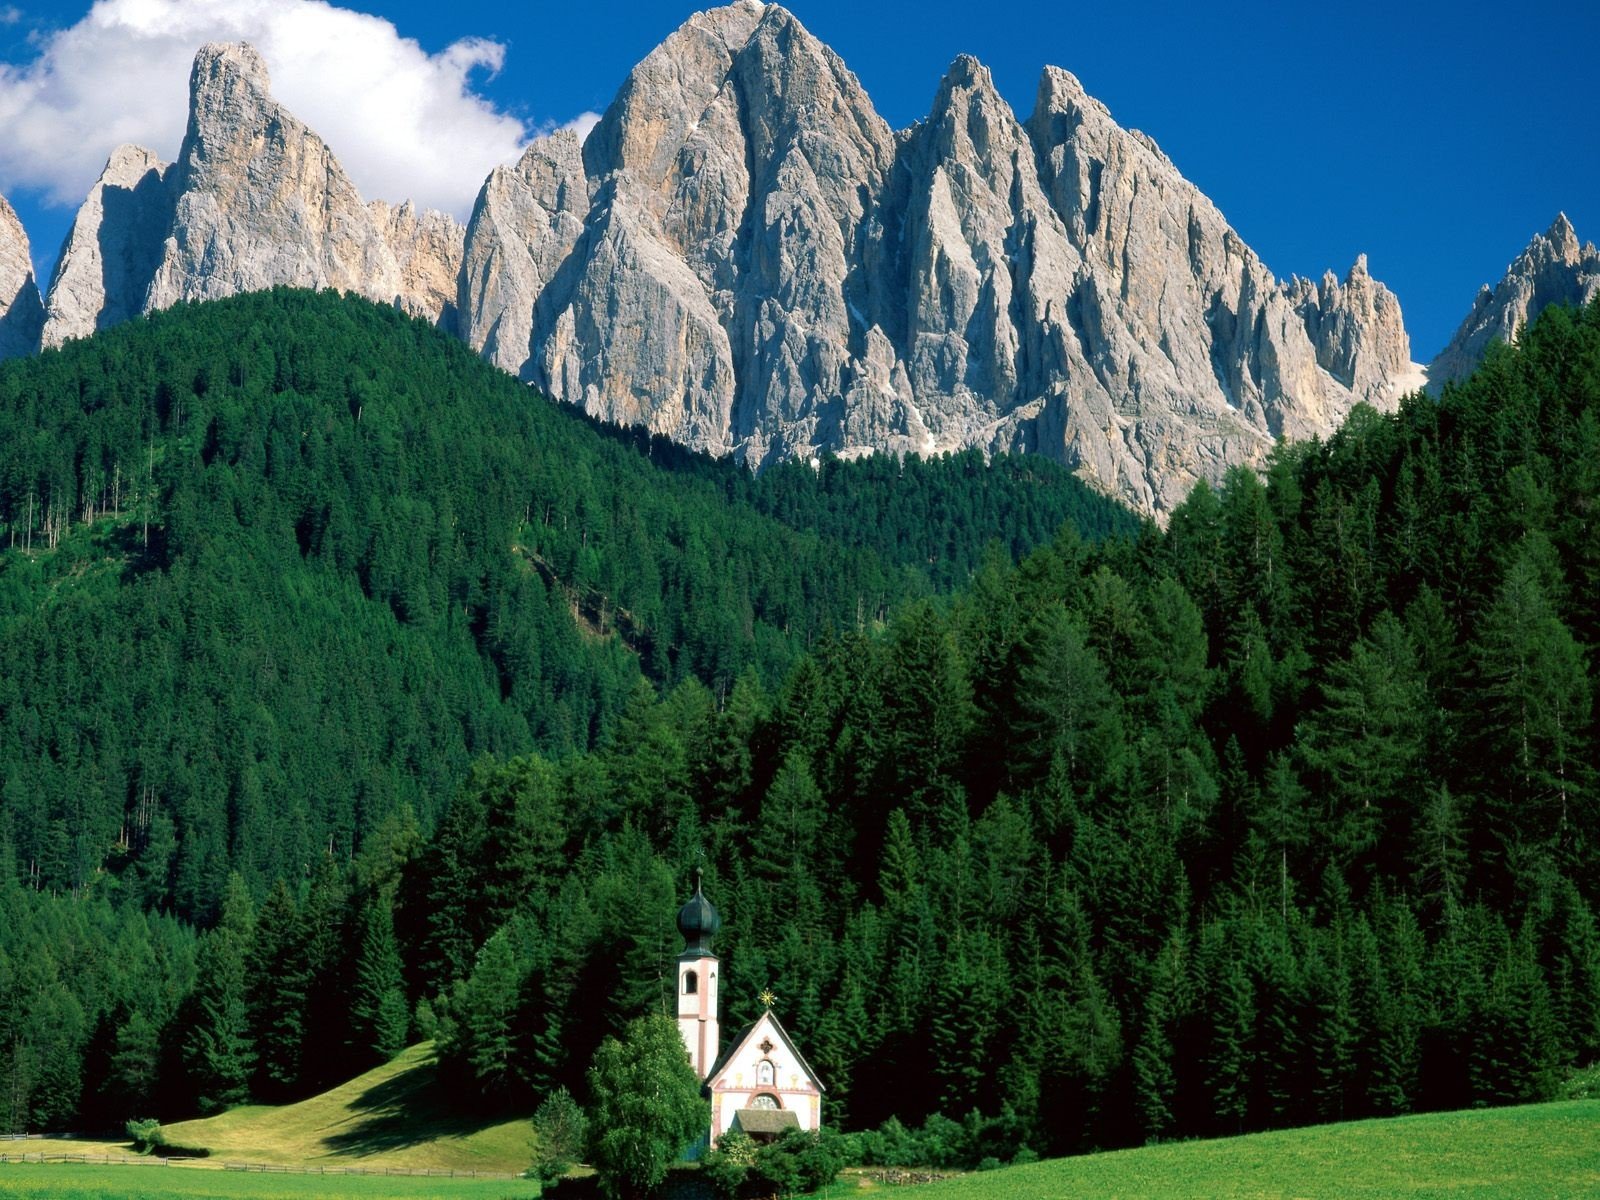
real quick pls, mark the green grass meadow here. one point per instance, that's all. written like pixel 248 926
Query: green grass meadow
pixel 1540 1152
pixel 1536 1152
pixel 142 1181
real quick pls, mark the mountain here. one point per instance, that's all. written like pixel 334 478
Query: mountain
pixel 255 200
pixel 764 267
pixel 1554 269
pixel 745 257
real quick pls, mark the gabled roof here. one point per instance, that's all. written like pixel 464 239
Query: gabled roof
pixel 766 1120
pixel 743 1036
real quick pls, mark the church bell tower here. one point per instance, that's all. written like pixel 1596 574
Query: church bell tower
pixel 697 981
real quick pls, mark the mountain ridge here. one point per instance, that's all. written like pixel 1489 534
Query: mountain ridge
pixel 744 256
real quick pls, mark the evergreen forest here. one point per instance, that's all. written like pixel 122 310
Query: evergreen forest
pixel 353 694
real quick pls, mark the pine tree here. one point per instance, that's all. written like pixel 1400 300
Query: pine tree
pixel 277 995
pixel 219 1050
pixel 380 1018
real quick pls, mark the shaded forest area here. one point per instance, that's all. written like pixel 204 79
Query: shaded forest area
pixel 1284 814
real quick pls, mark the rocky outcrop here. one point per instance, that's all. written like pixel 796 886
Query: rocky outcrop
pixel 748 260
pixel 710 295
pixel 526 221
pixel 427 246
pixel 111 253
pixel 1356 330
pixel 261 199
pixel 21 314
pixel 1554 269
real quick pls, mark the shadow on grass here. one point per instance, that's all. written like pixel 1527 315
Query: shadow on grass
pixel 408 1110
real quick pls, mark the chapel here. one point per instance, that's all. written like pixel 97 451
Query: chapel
pixel 761 1084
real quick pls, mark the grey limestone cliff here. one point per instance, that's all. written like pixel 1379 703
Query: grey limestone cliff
pixel 1356 330
pixel 21 313
pixel 427 246
pixel 526 221
pixel 748 259
pixel 744 256
pixel 261 201
pixel 112 251
pixel 1554 269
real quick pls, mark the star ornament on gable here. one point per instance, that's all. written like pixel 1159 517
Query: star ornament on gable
pixel 767 998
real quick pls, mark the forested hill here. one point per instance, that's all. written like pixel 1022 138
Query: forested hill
pixel 1285 814
pixel 276 568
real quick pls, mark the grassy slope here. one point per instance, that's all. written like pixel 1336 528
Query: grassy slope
pixel 393 1116
pixel 150 1182
pixel 1544 1150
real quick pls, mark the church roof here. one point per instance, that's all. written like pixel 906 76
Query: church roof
pixel 765 1120
pixel 736 1044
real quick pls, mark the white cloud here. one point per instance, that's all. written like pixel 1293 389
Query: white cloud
pixel 582 124
pixel 10 14
pixel 405 124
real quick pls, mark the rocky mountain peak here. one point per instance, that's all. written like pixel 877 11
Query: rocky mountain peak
pixel 1553 269
pixel 21 314
pixel 229 80
pixel 764 267
pixel 1060 92
pixel 1357 332
pixel 261 201
pixel 744 256
pixel 1563 238
pixel 113 249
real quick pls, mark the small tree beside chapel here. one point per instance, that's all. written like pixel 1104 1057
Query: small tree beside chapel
pixel 645 1107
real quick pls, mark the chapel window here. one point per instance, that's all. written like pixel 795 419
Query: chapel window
pixel 691 983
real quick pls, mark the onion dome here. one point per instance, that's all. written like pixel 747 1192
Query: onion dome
pixel 698 922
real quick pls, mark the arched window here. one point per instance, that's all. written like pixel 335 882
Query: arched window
pixel 765 1100
pixel 766 1076
pixel 691 983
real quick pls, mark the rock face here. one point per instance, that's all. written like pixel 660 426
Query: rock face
pixel 1554 269
pixel 524 225
pixel 261 199
pixel 21 314
pixel 427 247
pixel 1356 330
pixel 113 248
pixel 747 259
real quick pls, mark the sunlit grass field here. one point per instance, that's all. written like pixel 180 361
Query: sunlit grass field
pixel 393 1118
pixel 1536 1152
pixel 66 1181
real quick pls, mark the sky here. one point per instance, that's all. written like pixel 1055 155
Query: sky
pixel 1435 137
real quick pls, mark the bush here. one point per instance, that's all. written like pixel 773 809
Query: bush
pixel 940 1142
pixel 145 1135
pixel 727 1165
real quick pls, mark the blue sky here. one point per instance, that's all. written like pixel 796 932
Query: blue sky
pixel 1437 138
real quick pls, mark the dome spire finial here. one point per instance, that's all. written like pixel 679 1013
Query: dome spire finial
pixel 698 921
